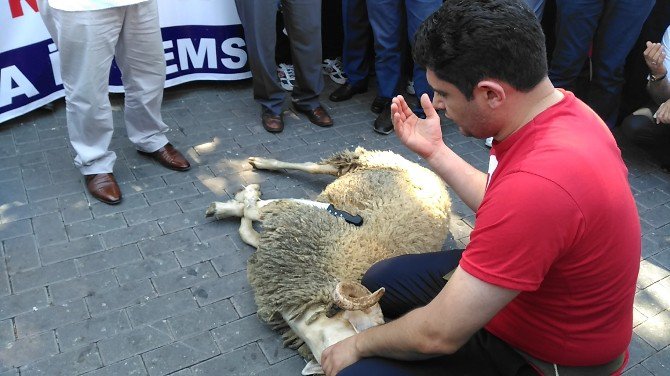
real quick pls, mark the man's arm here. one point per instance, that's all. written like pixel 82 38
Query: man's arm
pixel 424 137
pixel 654 56
pixel 463 306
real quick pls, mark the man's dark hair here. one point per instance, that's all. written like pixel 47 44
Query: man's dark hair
pixel 466 41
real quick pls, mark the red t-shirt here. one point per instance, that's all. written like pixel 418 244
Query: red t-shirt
pixel 559 224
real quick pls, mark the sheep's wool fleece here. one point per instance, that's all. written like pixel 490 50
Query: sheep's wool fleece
pixel 304 251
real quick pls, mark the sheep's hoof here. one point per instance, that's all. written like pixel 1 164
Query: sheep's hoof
pixel 211 210
pixel 260 163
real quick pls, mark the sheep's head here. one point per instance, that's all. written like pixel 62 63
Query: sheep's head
pixel 355 309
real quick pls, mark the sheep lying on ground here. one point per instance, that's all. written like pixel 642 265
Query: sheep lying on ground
pixel 308 265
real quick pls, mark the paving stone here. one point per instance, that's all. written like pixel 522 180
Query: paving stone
pixel 13 305
pixel 202 319
pixel 162 307
pixel 73 362
pixel 131 367
pixel 637 370
pixel 55 190
pixel 13 192
pixel 214 229
pixel 658 216
pixel 658 363
pixel 166 243
pixel 96 226
pixel 645 182
pixel 232 260
pixel 135 342
pixel 80 287
pixel 74 208
pixel 171 192
pixel 180 354
pixel 662 258
pixel 48 318
pixel 288 367
pixel 650 273
pixel 49 229
pixel 15 229
pixel 151 213
pixel 221 288
pixel 14 212
pixel 181 221
pixel 274 350
pixel 244 303
pixel 133 234
pixel 7 332
pixel 639 350
pixel 4 279
pixel 130 201
pixel 36 176
pixel 22 160
pixel 651 198
pixel 240 332
pixel 12 372
pixel 200 202
pixel 242 362
pixel 108 324
pixel 185 278
pixel 200 252
pixel 108 259
pixel 655 330
pixel 43 276
pixel 150 267
pixel 132 293
pixel 73 249
pixel 28 350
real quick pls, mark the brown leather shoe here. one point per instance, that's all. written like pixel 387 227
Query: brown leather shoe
pixel 169 157
pixel 271 122
pixel 104 188
pixel 318 116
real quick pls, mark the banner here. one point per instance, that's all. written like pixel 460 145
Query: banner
pixel 202 39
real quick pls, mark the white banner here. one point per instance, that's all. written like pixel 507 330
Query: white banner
pixel 202 39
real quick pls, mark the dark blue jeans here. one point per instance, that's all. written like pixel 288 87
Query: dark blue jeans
pixel 611 28
pixel 386 22
pixel 411 281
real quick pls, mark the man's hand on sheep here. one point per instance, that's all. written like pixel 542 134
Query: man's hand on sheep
pixel 422 136
pixel 339 356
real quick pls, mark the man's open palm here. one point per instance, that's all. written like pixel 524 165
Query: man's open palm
pixel 423 136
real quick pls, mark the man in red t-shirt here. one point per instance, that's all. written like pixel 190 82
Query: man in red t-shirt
pixel 546 283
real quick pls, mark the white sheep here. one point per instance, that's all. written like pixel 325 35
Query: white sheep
pixel 308 263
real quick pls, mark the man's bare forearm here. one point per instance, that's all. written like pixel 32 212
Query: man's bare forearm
pixel 468 182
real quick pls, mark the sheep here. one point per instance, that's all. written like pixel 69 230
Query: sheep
pixel 308 263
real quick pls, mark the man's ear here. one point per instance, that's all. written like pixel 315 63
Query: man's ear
pixel 491 92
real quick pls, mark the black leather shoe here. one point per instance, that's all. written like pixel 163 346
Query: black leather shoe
pixel 379 104
pixel 271 122
pixel 347 91
pixel 383 123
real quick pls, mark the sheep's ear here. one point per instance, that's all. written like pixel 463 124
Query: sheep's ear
pixel 312 368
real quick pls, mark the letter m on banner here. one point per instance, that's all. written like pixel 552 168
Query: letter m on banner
pixel 17 10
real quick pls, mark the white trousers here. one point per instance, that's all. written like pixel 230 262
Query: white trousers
pixel 88 41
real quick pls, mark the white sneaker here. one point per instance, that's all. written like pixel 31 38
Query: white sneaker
pixel 286 75
pixel 333 68
pixel 410 87
pixel 489 142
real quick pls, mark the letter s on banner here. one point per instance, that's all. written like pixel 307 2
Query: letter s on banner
pixel 233 47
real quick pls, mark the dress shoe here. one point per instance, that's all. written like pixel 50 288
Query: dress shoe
pixel 347 91
pixel 379 104
pixel 383 123
pixel 169 157
pixel 104 188
pixel 271 122
pixel 318 116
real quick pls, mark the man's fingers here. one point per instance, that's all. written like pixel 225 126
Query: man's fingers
pixel 427 106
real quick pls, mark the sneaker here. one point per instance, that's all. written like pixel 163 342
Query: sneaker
pixel 410 87
pixel 286 75
pixel 333 68
pixel 488 142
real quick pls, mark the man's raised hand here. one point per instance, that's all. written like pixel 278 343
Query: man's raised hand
pixel 422 136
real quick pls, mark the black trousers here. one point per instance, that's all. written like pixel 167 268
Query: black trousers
pixel 411 281
pixel 654 138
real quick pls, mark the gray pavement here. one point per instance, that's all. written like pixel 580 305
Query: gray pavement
pixel 152 287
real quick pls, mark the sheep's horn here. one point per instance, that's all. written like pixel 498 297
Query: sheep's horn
pixel 352 296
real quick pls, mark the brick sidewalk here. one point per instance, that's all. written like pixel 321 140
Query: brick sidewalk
pixel 151 287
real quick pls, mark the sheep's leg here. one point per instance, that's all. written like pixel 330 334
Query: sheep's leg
pixel 221 210
pixel 248 234
pixel 250 197
pixel 310 167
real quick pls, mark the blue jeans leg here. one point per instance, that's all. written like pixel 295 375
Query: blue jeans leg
pixel 387 27
pixel 356 54
pixel 417 12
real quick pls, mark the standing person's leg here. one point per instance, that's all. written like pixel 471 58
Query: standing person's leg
pixel 258 19
pixel 387 27
pixel 537 6
pixel 86 42
pixel 140 56
pixel 417 12
pixel 332 32
pixel 576 23
pixel 618 30
pixel 303 23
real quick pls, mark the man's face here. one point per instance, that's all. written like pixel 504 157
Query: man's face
pixel 467 115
